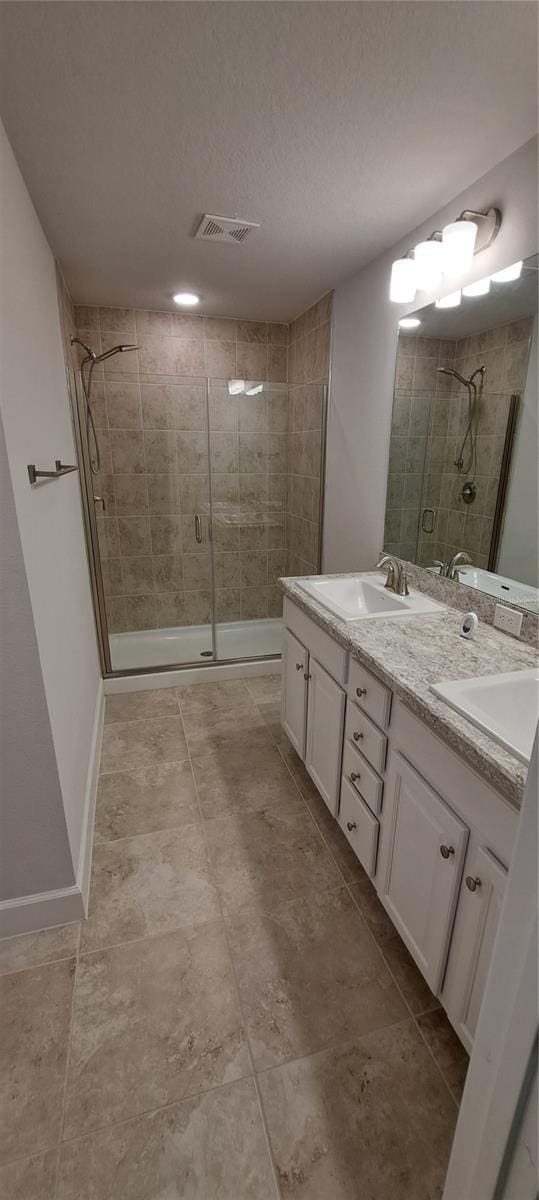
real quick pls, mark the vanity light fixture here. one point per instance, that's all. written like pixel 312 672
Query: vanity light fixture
pixel 508 273
pixel 450 301
pixel 409 322
pixel 479 288
pixel 429 259
pixel 252 389
pixel 403 286
pixel 186 299
pixel 449 252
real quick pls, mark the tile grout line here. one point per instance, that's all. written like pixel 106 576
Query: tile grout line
pixel 68 1064
pixel 238 998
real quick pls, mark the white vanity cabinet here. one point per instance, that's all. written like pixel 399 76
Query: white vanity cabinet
pixel 432 835
pixel 423 849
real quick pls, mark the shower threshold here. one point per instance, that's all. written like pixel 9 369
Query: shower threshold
pixel 191 643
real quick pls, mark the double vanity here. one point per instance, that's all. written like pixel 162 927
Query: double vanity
pixel 427 797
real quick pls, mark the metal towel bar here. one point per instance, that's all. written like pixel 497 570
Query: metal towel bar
pixel 61 469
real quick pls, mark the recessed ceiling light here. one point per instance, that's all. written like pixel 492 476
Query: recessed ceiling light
pixel 409 322
pixel 186 299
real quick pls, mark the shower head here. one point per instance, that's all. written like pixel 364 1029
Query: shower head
pixel 113 350
pixel 450 371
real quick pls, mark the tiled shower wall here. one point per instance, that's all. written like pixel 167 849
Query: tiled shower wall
pixel 149 409
pixel 308 374
pixel 429 422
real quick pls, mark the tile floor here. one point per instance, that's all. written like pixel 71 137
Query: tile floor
pixel 237 1019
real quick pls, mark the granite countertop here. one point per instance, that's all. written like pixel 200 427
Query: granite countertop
pixel 412 653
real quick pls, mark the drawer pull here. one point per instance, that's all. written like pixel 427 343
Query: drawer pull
pixel 361 691
pixel 307 676
pixel 354 775
pixel 447 851
pixel 299 666
pixel 472 884
pixel 357 736
pixel 351 825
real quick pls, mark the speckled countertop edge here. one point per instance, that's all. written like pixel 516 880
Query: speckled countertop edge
pixel 412 653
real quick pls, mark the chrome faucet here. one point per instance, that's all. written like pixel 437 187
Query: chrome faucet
pixel 450 570
pixel 396 576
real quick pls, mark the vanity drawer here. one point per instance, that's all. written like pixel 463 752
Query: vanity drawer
pixel 359 826
pixel 362 777
pixel 369 693
pixel 366 737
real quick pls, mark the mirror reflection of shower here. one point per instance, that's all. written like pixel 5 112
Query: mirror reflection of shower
pixel 91 359
pixel 474 391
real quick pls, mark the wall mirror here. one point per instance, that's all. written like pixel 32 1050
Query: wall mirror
pixel 463 469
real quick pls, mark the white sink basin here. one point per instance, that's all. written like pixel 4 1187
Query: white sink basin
pixel 505 706
pixel 357 597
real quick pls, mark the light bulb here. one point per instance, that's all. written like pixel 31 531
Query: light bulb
pixel 409 322
pixel 508 273
pixel 458 240
pixel 480 288
pixel 450 301
pixel 186 299
pixel 403 285
pixel 429 261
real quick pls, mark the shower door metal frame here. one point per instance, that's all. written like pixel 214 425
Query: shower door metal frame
pixel 76 396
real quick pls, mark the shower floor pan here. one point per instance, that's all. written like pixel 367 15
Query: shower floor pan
pixel 187 644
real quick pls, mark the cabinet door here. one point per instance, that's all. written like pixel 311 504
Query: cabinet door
pixel 478 914
pixel 325 727
pixel 295 665
pixel 423 849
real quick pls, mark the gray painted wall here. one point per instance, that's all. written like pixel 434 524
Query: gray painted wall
pixel 34 847
pixel 364 347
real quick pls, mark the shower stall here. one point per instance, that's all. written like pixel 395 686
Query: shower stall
pixel 198 493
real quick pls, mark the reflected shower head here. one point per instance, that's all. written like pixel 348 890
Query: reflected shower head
pixel 113 350
pixel 450 371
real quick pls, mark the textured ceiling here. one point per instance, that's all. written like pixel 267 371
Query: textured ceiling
pixel 337 126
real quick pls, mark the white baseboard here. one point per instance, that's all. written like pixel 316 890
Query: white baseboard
pixel 88 821
pixel 25 914
pixel 182 678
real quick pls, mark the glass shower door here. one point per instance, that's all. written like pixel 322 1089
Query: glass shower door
pixel 247 434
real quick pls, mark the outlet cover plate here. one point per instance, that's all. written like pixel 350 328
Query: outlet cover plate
pixel 508 620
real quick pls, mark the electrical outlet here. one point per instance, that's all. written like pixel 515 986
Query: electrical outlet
pixel 508 619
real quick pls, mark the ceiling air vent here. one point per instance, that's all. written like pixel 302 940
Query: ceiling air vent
pixel 225 229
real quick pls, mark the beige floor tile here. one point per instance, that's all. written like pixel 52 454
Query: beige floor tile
pixel 32 949
pixel 148 884
pixel 128 744
pixel 228 782
pixel 270 712
pixel 333 835
pixel 407 976
pixel 232 729
pixel 264 688
pixel 209 1148
pixel 446 1048
pixel 213 697
pixel 259 856
pixel 145 800
pixel 154 1021
pixel 309 975
pixel 132 706
pixel 30 1178
pixel 35 1009
pixel 370 1119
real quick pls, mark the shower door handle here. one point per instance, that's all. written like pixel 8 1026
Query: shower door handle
pixel 198 528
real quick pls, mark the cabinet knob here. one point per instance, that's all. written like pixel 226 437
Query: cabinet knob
pixel 354 775
pixel 357 736
pixel 350 825
pixel 299 666
pixel 361 691
pixel 447 851
pixel 472 884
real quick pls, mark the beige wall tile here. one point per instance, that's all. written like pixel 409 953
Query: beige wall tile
pixel 252 331
pixel 220 359
pixel 251 360
pixel 220 328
